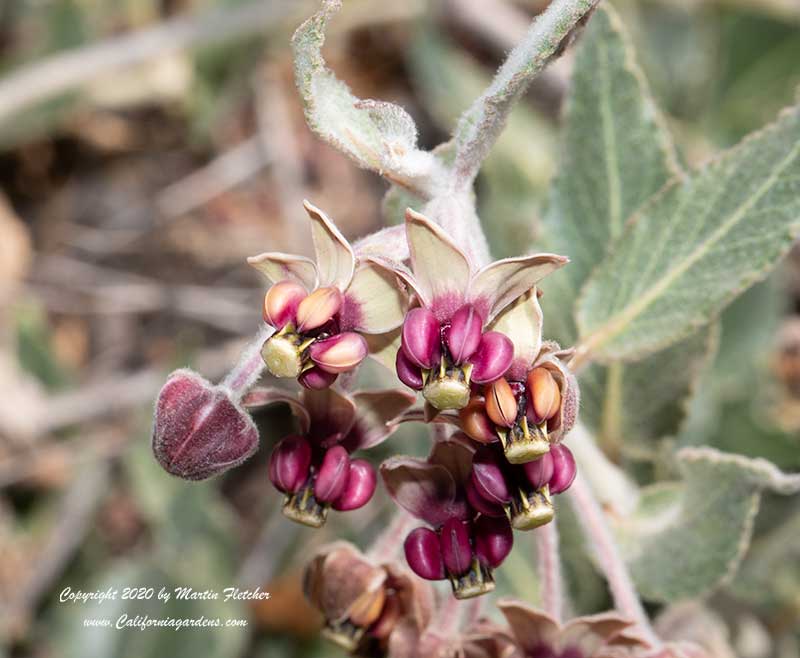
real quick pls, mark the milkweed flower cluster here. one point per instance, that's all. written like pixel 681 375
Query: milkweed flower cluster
pixel 469 339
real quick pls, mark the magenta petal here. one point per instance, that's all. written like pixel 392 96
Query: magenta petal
pixel 539 471
pixel 564 469
pixel 316 379
pixel 289 463
pixel 464 333
pixel 493 540
pixel 407 372
pixel 492 358
pixel 421 339
pixel 333 474
pixel 198 430
pixel 489 477
pixel 360 486
pixel 480 504
pixel 423 554
pixel 456 548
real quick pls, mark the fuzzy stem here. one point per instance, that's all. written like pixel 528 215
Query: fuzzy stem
pixel 597 532
pixel 474 610
pixel 250 365
pixel 549 569
pixel 388 544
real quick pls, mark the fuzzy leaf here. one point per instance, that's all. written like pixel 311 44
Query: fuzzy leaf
pixel 696 246
pixel 616 154
pixel 688 537
pixel 377 135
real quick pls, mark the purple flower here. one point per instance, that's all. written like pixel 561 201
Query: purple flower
pixel 449 341
pixel 322 311
pixel 464 542
pixel 315 469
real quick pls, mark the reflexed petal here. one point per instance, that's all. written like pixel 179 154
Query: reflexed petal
pixel 375 411
pixel 588 634
pixel 441 270
pixel 455 454
pixel 383 347
pixel 332 414
pixel 335 259
pixel 500 283
pixel 530 627
pixel 522 323
pixel 261 397
pixel 426 491
pixel 277 267
pixel 375 302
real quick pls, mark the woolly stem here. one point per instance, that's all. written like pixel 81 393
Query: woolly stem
pixel 250 365
pixel 551 582
pixel 388 544
pixel 597 532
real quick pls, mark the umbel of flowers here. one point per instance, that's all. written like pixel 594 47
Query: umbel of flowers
pixel 449 342
pixel 322 310
pixel 314 468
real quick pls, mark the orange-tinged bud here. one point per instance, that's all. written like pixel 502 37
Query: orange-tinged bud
pixel 390 615
pixel 367 608
pixel 475 423
pixel 318 308
pixel 501 404
pixel 281 302
pixel 544 396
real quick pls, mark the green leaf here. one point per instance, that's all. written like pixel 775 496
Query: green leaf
pixel 617 154
pixel 630 406
pixel 377 135
pixel 697 245
pixel 688 537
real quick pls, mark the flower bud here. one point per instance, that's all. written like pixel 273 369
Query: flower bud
pixel 475 423
pixel 360 486
pixel 289 464
pixel 316 378
pixel 424 555
pixel 539 471
pixel 492 358
pixel 333 474
pixel 281 302
pixel 319 307
pixel 464 333
pixel 339 353
pixel 479 503
pixel 544 396
pixel 421 340
pixel 564 469
pixel 456 548
pixel 198 430
pixel 501 405
pixel 493 540
pixel 488 476
pixel 407 372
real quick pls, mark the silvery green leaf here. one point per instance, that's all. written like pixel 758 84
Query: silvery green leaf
pixel 616 154
pixel 377 135
pixel 695 246
pixel 688 537
pixel 480 125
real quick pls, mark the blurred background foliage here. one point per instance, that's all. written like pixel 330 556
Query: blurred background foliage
pixel 129 199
